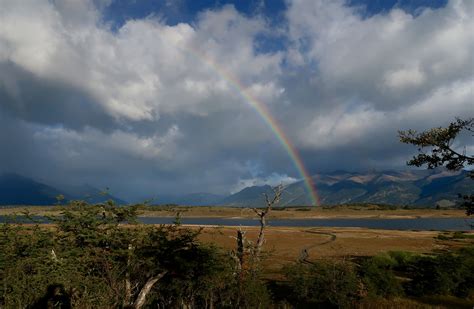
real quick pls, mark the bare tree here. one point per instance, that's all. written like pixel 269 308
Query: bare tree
pixel 262 214
pixel 245 246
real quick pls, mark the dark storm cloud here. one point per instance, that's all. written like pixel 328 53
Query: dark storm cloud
pixel 149 108
pixel 48 102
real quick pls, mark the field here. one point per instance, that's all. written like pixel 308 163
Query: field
pixel 285 245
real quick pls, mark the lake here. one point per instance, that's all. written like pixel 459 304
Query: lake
pixel 451 224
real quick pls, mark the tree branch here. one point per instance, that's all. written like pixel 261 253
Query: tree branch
pixel 140 301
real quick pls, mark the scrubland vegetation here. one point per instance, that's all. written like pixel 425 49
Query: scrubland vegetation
pixel 337 211
pixel 91 259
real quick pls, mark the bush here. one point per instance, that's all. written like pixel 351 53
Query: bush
pixel 86 258
pixel 402 258
pixel 445 274
pixel 329 284
pixel 378 276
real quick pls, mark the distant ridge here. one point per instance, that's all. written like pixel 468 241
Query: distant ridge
pixel 418 188
pixel 192 199
pixel 248 196
pixel 19 190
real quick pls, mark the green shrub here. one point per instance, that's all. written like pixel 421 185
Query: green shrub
pixel 328 284
pixel 86 258
pixel 402 258
pixel 462 235
pixel 444 274
pixel 378 276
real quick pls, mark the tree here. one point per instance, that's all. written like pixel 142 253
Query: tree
pixel 442 152
pixel 269 202
pixel 251 290
pixel 255 249
pixel 94 257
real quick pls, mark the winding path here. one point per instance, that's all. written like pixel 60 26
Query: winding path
pixel 305 251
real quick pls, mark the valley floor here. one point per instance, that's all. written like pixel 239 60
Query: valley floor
pixel 285 245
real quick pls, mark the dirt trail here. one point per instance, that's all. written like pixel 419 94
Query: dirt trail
pixel 304 255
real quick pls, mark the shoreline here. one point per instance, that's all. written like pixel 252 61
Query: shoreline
pixel 339 212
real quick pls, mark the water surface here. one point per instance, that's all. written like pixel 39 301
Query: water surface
pixel 451 224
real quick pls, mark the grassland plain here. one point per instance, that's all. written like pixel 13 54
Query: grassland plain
pixel 286 244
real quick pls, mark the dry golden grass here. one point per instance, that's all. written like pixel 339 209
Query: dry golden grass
pixel 285 244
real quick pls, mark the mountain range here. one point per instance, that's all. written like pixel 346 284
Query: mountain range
pixel 20 190
pixel 418 188
pixel 412 187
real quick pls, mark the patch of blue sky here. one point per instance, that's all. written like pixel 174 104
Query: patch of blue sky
pixel 173 12
pixel 120 11
pixel 369 8
pixel 269 43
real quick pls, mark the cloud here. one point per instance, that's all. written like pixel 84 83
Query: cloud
pixel 370 76
pixel 273 179
pixel 153 107
pixel 404 78
pixel 145 68
pixel 342 128
pixel 363 124
pixel 74 144
pixel 144 94
pixel 357 56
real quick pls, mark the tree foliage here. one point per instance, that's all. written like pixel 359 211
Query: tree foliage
pixel 379 278
pixel 440 143
pixel 95 257
pixel 325 284
pixel 344 284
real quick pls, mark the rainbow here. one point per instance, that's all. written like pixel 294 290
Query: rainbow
pixel 268 119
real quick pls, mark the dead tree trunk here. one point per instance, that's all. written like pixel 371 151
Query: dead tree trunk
pixel 128 285
pixel 140 301
pixel 240 248
pixel 262 217
pixel 254 249
pixel 239 254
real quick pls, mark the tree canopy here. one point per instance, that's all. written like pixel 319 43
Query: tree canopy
pixel 437 147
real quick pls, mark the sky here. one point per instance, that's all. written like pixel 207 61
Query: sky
pixel 151 97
